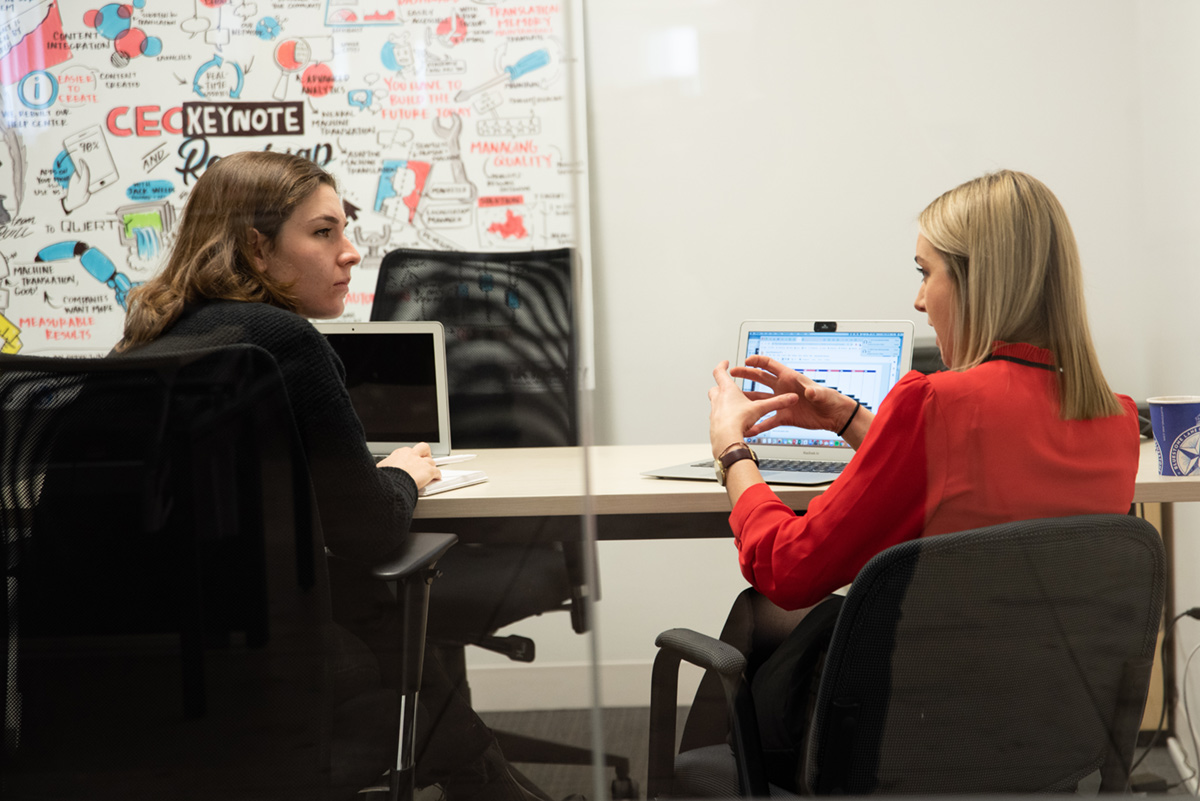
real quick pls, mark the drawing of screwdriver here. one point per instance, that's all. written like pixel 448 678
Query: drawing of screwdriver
pixel 529 63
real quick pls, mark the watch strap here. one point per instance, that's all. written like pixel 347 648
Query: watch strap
pixel 731 457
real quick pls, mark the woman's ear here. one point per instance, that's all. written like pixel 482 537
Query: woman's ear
pixel 259 249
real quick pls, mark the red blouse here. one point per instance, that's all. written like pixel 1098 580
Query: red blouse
pixel 946 452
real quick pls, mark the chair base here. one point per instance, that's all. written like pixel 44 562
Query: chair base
pixel 532 750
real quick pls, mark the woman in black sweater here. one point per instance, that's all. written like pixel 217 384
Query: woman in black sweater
pixel 262 246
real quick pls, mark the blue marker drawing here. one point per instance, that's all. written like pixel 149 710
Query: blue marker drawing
pixel 267 29
pixel 94 261
pixel 149 190
pixel 387 177
pixel 535 60
pixel 396 53
pixel 215 63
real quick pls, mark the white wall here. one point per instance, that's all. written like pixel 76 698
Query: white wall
pixel 768 158
pixel 1168 269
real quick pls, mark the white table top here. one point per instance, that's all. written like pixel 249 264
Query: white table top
pixel 551 481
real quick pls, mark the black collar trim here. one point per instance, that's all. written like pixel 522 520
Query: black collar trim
pixel 1026 362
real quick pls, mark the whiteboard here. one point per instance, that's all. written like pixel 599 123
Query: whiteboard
pixel 449 125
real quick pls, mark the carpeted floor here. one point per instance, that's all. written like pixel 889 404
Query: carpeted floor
pixel 626 732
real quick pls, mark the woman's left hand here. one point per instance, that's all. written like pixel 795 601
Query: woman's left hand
pixel 732 414
pixel 417 461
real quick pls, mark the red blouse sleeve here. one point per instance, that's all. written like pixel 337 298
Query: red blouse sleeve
pixel 878 501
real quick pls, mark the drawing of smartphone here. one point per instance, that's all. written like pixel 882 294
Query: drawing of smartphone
pixel 91 146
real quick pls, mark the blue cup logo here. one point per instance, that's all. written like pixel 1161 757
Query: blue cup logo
pixel 1176 423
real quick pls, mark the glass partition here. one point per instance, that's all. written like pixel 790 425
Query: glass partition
pixel 770 162
pixel 413 179
pixel 587 202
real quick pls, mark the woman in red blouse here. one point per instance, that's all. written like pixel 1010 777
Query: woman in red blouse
pixel 1023 424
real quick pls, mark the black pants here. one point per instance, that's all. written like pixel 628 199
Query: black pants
pixel 784 653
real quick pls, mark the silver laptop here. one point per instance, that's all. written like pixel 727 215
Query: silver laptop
pixel 860 358
pixel 396 375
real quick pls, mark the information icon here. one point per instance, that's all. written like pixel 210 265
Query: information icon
pixel 38 90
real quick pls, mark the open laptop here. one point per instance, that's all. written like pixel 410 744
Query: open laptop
pixel 396 375
pixel 860 358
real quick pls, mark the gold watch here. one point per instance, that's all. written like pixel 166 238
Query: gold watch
pixel 728 459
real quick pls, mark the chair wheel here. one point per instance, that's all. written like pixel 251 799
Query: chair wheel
pixel 624 788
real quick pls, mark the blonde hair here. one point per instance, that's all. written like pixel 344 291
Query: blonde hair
pixel 1013 259
pixel 213 255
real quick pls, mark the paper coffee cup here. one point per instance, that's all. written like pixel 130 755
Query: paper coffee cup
pixel 1176 423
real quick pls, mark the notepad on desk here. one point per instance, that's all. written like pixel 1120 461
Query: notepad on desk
pixel 453 479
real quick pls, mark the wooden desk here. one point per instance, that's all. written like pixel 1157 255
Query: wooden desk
pixel 535 482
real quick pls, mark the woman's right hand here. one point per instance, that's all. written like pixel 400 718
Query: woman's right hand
pixel 819 407
pixel 417 461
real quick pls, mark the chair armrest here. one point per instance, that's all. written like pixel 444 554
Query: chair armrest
pixel 419 552
pixel 703 651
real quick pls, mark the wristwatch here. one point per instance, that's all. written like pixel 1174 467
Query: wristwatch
pixel 728 459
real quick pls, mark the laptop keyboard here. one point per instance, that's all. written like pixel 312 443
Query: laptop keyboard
pixel 798 466
pixel 792 466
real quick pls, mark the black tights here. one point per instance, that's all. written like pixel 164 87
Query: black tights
pixel 756 627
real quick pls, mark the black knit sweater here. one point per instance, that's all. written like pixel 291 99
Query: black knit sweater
pixel 365 510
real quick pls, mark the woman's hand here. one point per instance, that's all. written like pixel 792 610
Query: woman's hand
pixel 734 413
pixel 417 461
pixel 815 407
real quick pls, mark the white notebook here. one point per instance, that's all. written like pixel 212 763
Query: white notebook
pixel 453 479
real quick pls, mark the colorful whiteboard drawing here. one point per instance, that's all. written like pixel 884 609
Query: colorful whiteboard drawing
pixel 296 53
pixel 452 30
pixel 214 74
pixel 85 166
pixel 373 101
pixel 267 29
pixel 291 56
pixel 403 180
pixel 360 13
pixel 509 73
pixel 145 232
pixel 396 54
pixel 95 262
pixel 505 222
pixel 114 21
pixel 31 40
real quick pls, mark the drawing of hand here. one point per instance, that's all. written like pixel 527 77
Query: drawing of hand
pixel 77 186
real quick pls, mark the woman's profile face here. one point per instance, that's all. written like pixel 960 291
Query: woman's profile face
pixel 936 297
pixel 313 254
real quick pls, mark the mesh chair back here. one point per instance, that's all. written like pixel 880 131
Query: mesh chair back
pixel 510 348
pixel 1009 659
pixel 159 496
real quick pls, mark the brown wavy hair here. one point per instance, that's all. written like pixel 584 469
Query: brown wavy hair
pixel 213 255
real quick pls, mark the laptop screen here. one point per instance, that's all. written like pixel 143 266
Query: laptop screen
pixel 396 378
pixel 392 384
pixel 864 365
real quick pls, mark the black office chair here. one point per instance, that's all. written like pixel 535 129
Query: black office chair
pixel 167 616
pixel 511 362
pixel 1009 659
